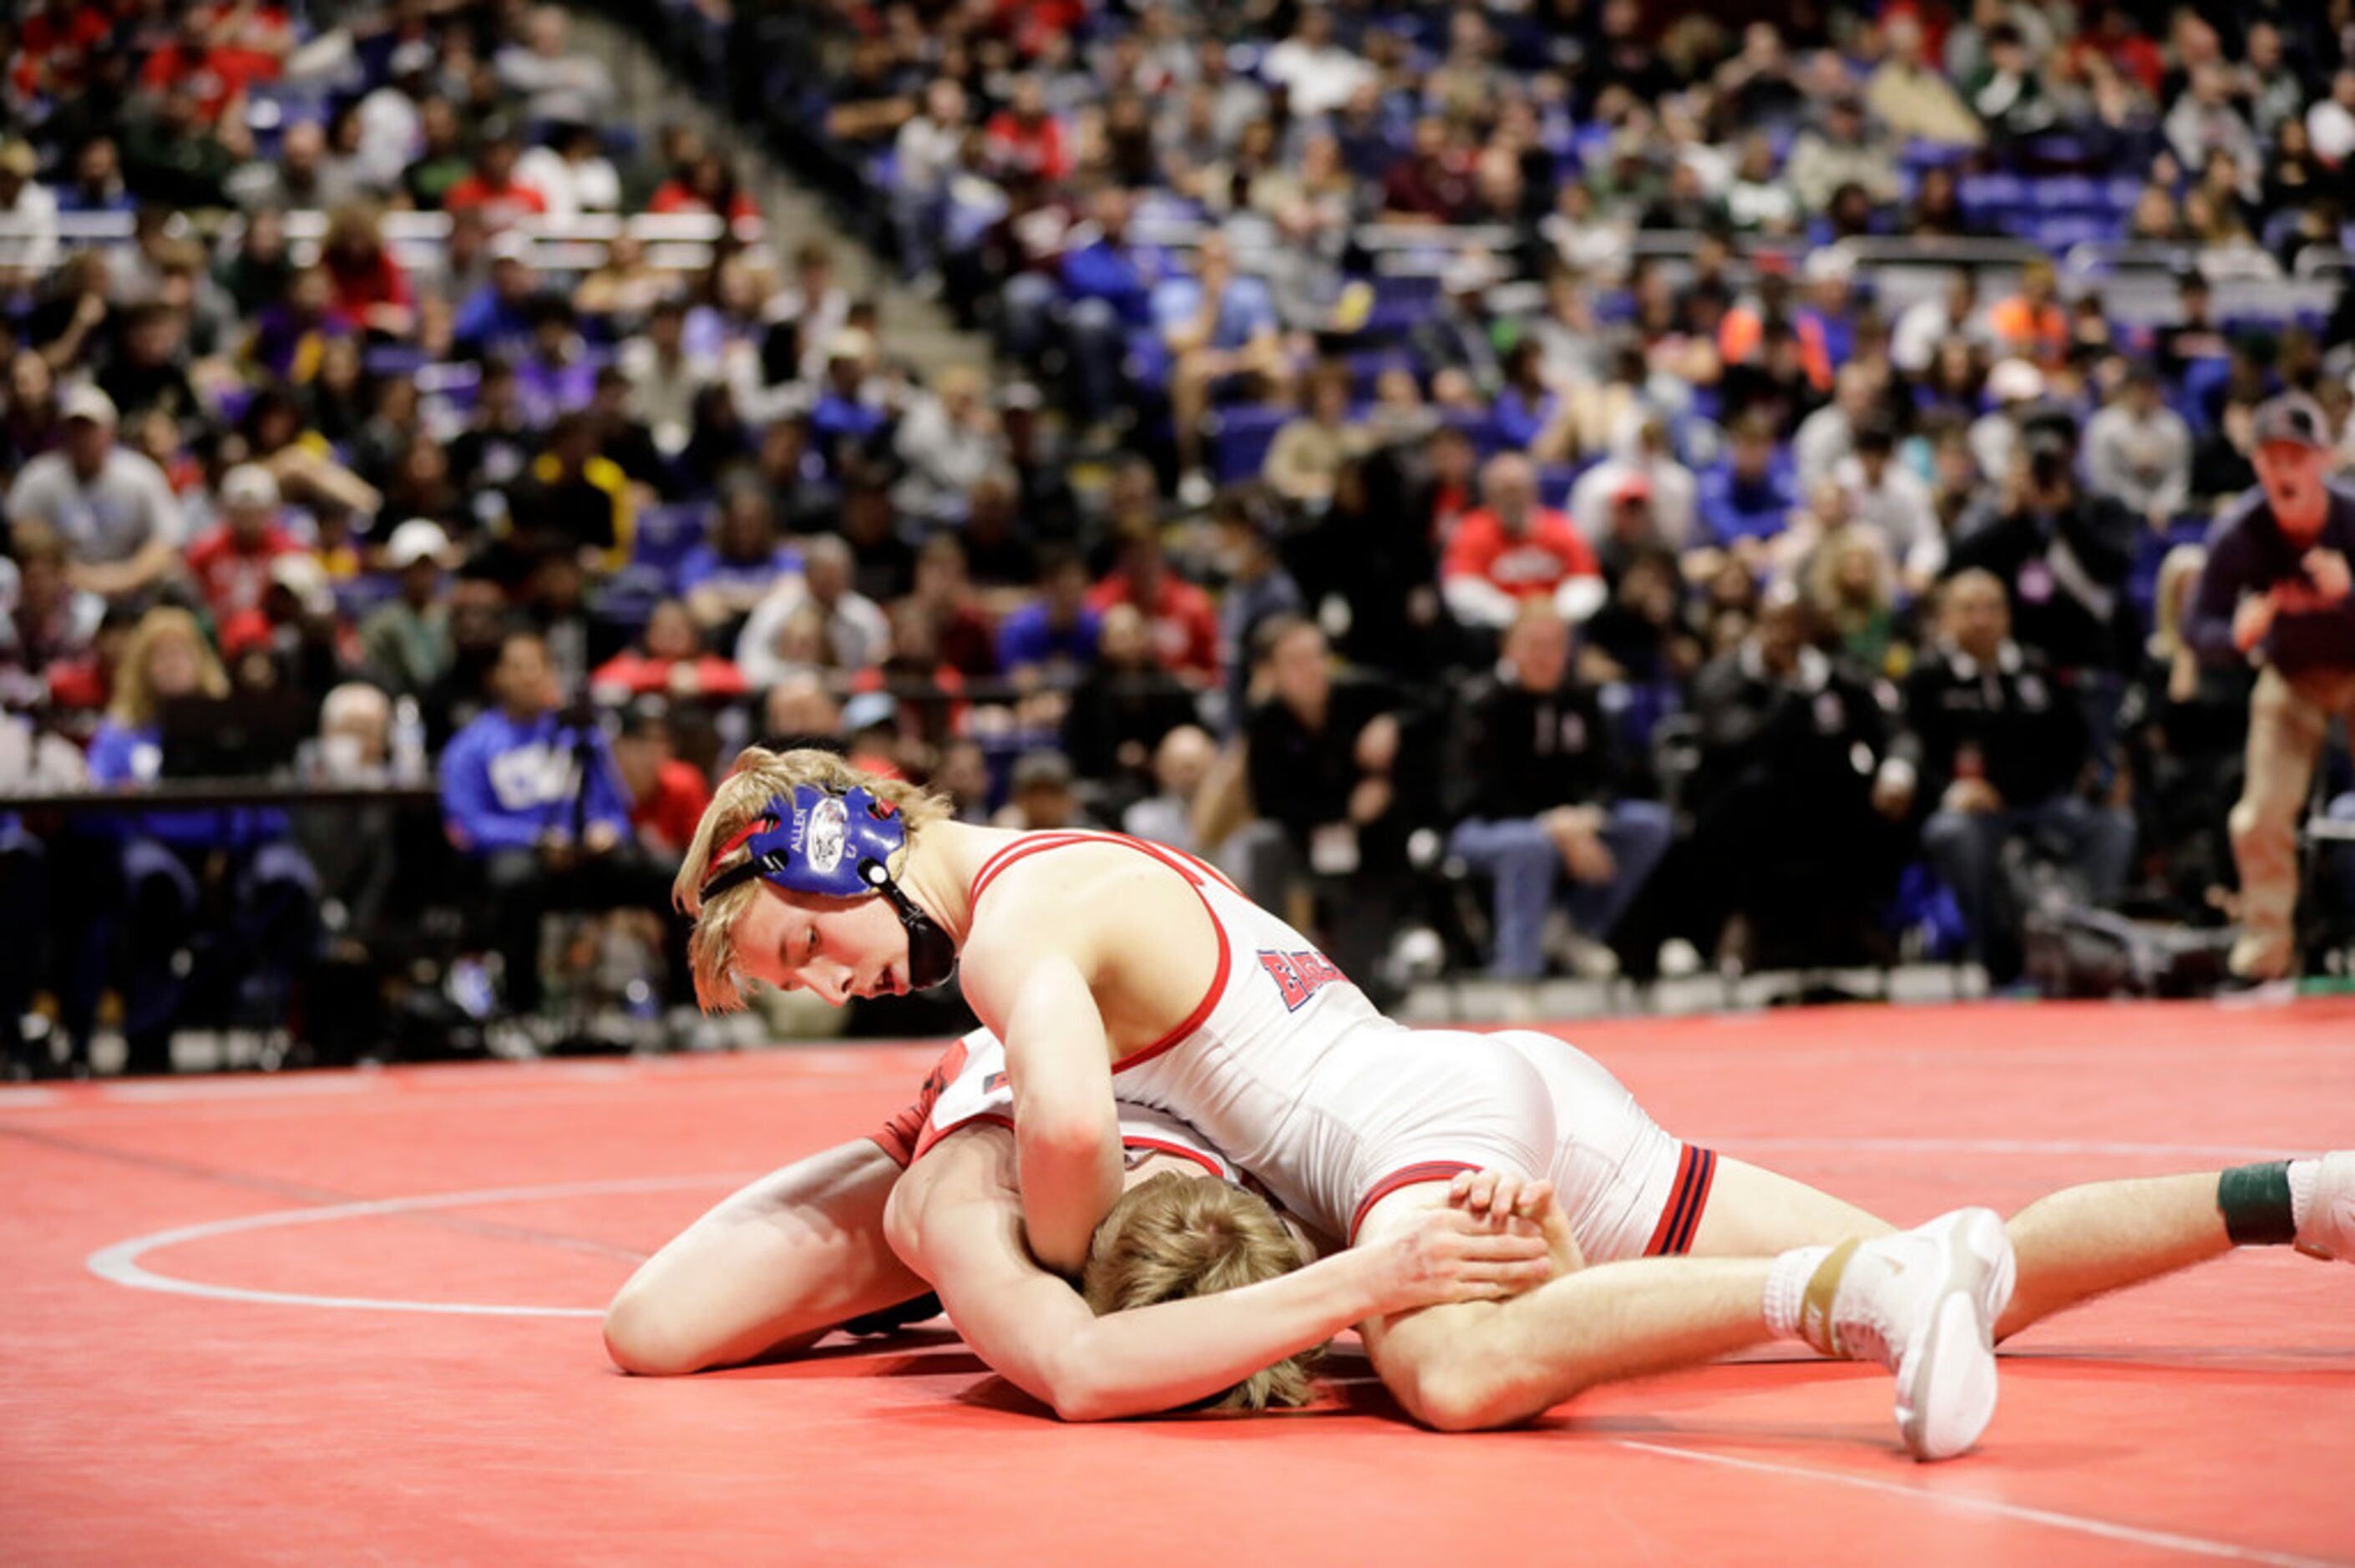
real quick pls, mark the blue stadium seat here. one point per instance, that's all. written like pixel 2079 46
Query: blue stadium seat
pixel 666 534
pixel 1240 438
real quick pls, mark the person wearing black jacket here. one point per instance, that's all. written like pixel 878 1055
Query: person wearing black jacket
pixel 1119 710
pixel 1323 759
pixel 1532 796
pixel 1999 751
pixel 1787 833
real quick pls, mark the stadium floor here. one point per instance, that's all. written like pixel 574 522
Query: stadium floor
pixel 369 1332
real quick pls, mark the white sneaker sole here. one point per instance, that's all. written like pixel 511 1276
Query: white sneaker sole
pixel 1946 1384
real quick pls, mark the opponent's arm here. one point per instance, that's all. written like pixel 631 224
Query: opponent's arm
pixel 1034 1330
pixel 1059 1064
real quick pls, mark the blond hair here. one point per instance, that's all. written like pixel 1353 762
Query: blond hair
pixel 758 776
pixel 2166 609
pixel 134 699
pixel 1172 1236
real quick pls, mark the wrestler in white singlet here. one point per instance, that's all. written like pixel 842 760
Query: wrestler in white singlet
pixel 1288 1069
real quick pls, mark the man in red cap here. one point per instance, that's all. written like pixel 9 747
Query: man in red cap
pixel 2276 592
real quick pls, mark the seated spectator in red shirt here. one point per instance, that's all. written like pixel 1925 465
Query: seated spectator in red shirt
pixel 216 60
pixel 670 659
pixel 1185 626
pixel 706 185
pixel 493 186
pixel 1026 134
pixel 232 563
pixel 1511 548
pixel 367 284
pixel 666 795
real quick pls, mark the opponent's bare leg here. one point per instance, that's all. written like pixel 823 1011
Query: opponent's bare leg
pixel 2071 1245
pixel 770 1269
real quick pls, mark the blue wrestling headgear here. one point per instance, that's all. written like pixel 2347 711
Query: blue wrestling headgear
pixel 834 845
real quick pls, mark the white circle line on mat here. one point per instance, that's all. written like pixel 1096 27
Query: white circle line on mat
pixel 120 1262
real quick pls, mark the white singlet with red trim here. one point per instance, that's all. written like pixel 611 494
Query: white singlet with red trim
pixel 977 1091
pixel 1287 1066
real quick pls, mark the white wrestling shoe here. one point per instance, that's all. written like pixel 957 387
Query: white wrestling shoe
pixel 1924 1304
pixel 2329 1228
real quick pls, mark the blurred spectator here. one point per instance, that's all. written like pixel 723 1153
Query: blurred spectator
pixel 180 868
pixel 1753 492
pixel 2184 724
pixel 2031 324
pixel 1183 626
pixel 2063 556
pixel 1788 839
pixel 849 629
pixel 572 173
pixel 1180 764
pixel 2138 451
pixel 1040 798
pixel 724 578
pixel 113 508
pixel 1322 759
pixel 1309 451
pixel 532 796
pixel 554 81
pixel 1219 327
pixel 1841 152
pixel 1997 753
pixel 945 442
pixel 232 563
pixel 1053 638
pixel 1885 495
pixel 669 661
pixel 1671 490
pixel 1913 99
pixel 668 797
pixel 46 624
pixel 405 643
pixel 1511 550
pixel 1122 707
pixel 1538 801
pixel 494 189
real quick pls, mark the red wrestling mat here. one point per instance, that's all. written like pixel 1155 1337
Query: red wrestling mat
pixel 369 1333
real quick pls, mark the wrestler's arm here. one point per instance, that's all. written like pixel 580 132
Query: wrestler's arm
pixel 1033 990
pixel 1034 1330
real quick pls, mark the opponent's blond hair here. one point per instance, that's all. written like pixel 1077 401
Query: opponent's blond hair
pixel 1172 1236
pixel 742 798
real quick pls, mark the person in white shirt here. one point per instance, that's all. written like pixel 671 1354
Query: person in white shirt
pixel 2138 451
pixel 817 619
pixel 113 507
pixel 29 209
pixel 1884 494
pixel 1319 73
pixel 1673 490
pixel 572 172
pixel 2330 123
pixel 1926 324
pixel 556 83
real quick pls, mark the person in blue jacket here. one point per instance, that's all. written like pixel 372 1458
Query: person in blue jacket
pixel 174 864
pixel 531 795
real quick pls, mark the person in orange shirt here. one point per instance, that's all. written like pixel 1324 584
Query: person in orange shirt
pixel 1512 550
pixel 2032 324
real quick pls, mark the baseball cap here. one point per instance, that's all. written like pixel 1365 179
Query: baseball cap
pixel 87 402
pixel 1635 487
pixel 2294 419
pixel 418 539
pixel 249 485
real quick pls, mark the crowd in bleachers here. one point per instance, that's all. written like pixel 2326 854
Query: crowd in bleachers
pixel 1528 473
